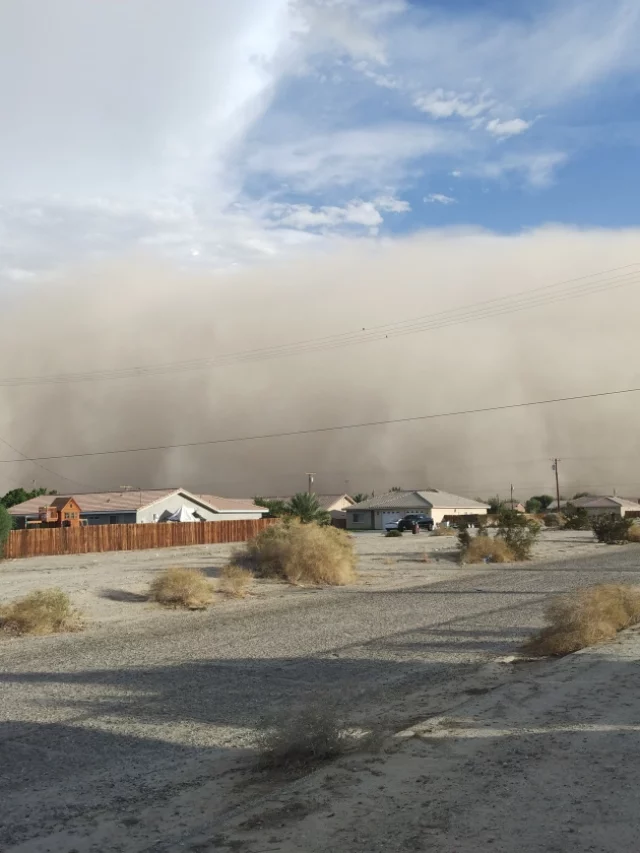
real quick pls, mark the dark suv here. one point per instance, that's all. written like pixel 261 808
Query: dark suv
pixel 418 518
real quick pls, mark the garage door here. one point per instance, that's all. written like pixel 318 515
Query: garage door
pixel 391 516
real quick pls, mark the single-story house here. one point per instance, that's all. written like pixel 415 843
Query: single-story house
pixel 607 505
pixel 141 506
pixel 375 513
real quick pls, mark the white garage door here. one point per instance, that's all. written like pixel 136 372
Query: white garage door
pixel 390 516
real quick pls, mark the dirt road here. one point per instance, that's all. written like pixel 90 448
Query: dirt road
pixel 130 739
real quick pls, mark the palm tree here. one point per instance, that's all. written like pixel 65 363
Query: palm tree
pixel 359 497
pixel 306 508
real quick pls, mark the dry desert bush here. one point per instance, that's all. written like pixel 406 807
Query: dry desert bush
pixel 235 581
pixel 634 533
pixel 445 531
pixel 487 549
pixel 301 553
pixel 178 587
pixel 45 611
pixel 586 617
pixel 313 736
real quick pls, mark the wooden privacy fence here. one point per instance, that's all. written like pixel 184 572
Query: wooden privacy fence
pixel 128 537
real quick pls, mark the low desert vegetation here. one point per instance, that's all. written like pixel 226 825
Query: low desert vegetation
pixel 393 534
pixel 518 532
pixel 312 737
pixel 487 549
pixel 575 518
pixel 303 506
pixel 301 554
pixel 188 588
pixel 235 581
pixel 6 526
pixel 45 611
pixel 611 529
pixel 586 617
pixel 444 531
pixel 634 533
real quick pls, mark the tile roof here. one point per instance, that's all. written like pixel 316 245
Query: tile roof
pixel 419 500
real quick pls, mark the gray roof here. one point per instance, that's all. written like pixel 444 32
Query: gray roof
pixel 606 501
pixel 419 500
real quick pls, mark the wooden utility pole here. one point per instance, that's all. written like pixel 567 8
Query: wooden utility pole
pixel 555 468
pixel 512 496
pixel 310 486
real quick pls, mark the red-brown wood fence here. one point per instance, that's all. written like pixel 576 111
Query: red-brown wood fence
pixel 128 537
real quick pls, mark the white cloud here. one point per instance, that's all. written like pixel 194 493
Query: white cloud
pixel 440 104
pixel 355 213
pixel 510 127
pixel 439 198
pixel 371 157
pixel 537 168
pixel 177 129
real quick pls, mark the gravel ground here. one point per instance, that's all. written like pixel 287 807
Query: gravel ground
pixel 545 763
pixel 127 737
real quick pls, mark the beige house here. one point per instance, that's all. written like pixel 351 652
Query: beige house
pixel 375 513
pixel 607 505
pixel 144 506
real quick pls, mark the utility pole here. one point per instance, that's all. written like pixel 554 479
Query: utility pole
pixel 310 487
pixel 554 467
pixel 512 497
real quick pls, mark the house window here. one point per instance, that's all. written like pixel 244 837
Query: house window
pixel 67 515
pixel 113 519
pixel 356 517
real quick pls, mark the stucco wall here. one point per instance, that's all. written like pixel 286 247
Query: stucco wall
pixel 382 517
pixel 173 503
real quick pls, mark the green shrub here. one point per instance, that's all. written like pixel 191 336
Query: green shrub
pixel 393 533
pixel 518 532
pixel 6 526
pixel 611 529
pixel 464 537
pixel 576 518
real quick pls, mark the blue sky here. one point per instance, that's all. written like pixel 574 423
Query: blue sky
pixel 220 135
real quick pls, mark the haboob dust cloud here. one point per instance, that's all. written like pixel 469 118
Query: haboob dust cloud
pixel 141 312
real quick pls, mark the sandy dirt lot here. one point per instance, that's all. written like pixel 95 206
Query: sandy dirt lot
pixel 105 586
pixel 138 734
pixel 547 761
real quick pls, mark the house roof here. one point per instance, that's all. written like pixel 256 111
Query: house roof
pixel 130 501
pixel 325 501
pixel 230 504
pixel 420 500
pixel 606 501
pixel 59 503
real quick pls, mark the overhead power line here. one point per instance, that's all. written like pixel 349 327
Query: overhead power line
pixel 606 280
pixel 317 430
pixel 25 458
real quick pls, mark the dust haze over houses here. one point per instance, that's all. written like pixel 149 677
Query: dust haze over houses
pixel 134 313
pixel 197 206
